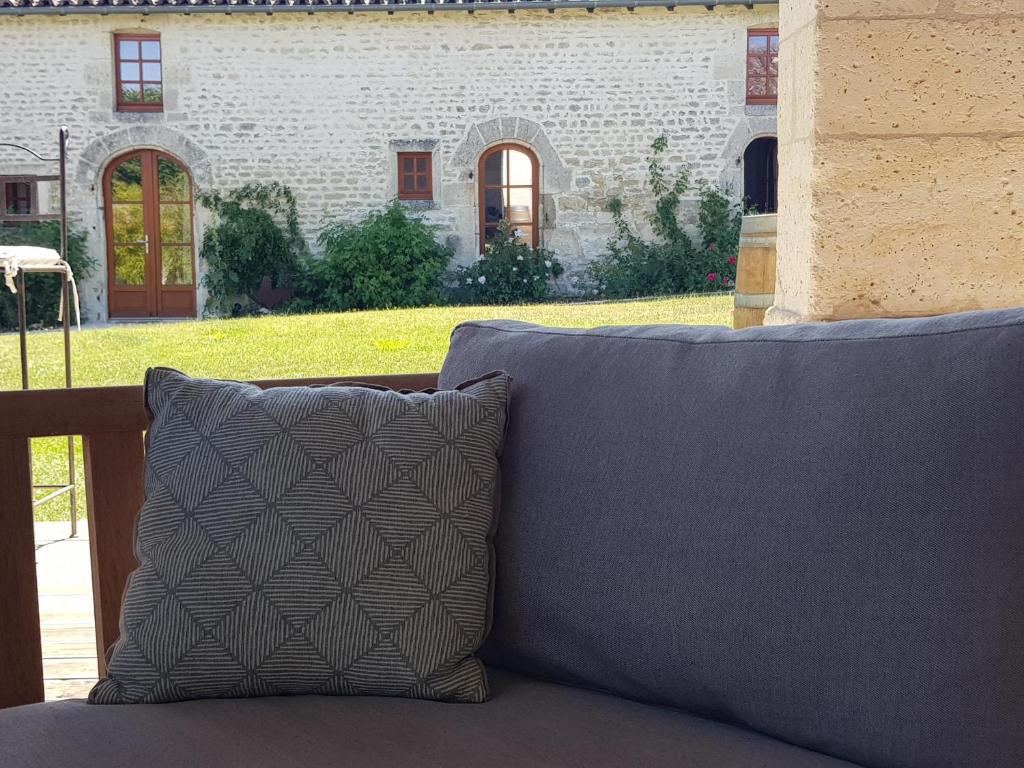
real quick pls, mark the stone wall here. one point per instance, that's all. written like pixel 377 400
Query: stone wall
pixel 322 102
pixel 901 156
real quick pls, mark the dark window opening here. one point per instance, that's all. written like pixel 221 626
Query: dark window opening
pixel 18 198
pixel 761 174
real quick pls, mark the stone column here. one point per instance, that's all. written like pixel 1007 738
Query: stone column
pixel 901 158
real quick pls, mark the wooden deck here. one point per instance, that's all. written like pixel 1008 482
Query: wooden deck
pixel 65 609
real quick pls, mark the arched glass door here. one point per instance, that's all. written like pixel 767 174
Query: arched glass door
pixel 508 192
pixel 150 247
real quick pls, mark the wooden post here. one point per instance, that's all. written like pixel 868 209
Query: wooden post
pixel 21 651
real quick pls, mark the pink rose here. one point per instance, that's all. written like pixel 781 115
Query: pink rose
pixel 712 276
pixel 731 260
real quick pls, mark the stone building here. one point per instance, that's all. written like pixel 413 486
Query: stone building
pixel 539 111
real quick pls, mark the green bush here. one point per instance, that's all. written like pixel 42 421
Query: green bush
pixel 42 291
pixel 508 272
pixel 673 262
pixel 390 259
pixel 255 235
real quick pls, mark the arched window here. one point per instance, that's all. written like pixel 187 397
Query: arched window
pixel 761 173
pixel 508 191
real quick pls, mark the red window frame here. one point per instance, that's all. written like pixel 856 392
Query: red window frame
pixel 415 176
pixel 140 61
pixel 10 193
pixel 763 67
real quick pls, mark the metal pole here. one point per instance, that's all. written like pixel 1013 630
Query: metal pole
pixel 22 329
pixel 65 299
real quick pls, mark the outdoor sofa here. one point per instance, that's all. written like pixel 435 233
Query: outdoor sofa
pixel 789 547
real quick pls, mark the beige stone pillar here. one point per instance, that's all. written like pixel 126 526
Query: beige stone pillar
pixel 901 158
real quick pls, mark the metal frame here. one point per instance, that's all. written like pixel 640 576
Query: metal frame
pixel 68 488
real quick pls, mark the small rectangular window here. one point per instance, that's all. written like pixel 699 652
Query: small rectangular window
pixel 18 198
pixel 415 176
pixel 138 73
pixel 762 66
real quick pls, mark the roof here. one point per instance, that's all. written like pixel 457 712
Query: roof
pixel 144 7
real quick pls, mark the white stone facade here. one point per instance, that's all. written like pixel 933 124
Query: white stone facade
pixel 323 101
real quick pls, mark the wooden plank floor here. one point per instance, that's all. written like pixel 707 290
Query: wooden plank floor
pixel 65 608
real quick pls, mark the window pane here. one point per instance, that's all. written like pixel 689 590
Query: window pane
pixel 126 181
pixel 131 92
pixel 493 168
pixel 773 86
pixel 520 168
pixel 408 164
pixel 755 87
pixel 774 44
pixel 489 233
pixel 128 49
pixel 408 182
pixel 150 71
pixel 421 165
pixel 130 265
pixel 525 235
pixel 130 71
pixel 173 180
pixel 520 205
pixel 175 223
pixel 152 93
pixel 176 265
pixel 756 66
pixel 151 50
pixel 493 208
pixel 18 198
pixel 757 43
pixel 128 223
pixel 773 66
pixel 421 184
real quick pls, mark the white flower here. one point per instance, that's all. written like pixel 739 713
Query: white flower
pixel 524 279
pixel 515 269
pixel 481 279
pixel 519 257
pixel 517 233
pixel 536 277
pixel 469 280
pixel 547 263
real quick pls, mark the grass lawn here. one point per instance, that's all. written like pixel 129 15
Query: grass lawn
pixel 351 343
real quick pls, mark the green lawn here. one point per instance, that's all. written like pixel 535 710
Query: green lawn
pixel 351 343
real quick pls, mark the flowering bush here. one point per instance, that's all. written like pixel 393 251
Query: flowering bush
pixel 674 262
pixel 508 272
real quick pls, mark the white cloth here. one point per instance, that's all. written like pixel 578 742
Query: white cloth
pixel 28 258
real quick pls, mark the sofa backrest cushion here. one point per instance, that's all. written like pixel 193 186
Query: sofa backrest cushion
pixel 816 531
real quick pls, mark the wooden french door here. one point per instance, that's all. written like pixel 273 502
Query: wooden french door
pixel 150 245
pixel 509 192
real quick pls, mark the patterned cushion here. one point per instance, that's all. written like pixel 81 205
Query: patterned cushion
pixel 330 540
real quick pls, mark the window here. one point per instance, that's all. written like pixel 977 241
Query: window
pixel 415 176
pixel 19 198
pixel 138 73
pixel 762 66
pixel 508 192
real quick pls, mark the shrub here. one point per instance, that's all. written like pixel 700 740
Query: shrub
pixel 255 235
pixel 42 291
pixel 508 272
pixel 672 262
pixel 390 259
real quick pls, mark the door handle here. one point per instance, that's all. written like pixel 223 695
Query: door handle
pixel 144 241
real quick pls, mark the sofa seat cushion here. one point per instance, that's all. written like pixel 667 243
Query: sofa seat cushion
pixel 526 723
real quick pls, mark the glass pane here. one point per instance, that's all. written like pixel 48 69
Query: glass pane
pixel 130 265
pixel 525 235
pixel 175 223
pixel 773 66
pixel 126 181
pixel 408 164
pixel 756 66
pixel 130 71
pixel 150 71
pixel 774 44
pixel 128 223
pixel 421 183
pixel 494 210
pixel 152 93
pixel 176 265
pixel 421 165
pixel 407 182
pixel 773 86
pixel 128 49
pixel 151 50
pixel 755 87
pixel 489 233
pixel 493 168
pixel 520 169
pixel 131 92
pixel 173 180
pixel 757 43
pixel 520 205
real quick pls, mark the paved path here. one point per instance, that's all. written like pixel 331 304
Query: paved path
pixel 65 609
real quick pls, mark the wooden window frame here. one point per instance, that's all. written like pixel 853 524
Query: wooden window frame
pixel 137 106
pixel 416 194
pixel 483 186
pixel 768 32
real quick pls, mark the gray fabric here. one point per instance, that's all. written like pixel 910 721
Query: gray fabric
pixel 814 531
pixel 526 724
pixel 310 540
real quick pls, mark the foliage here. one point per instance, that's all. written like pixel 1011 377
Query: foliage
pixel 508 272
pixel 255 235
pixel 42 291
pixel 390 259
pixel 673 262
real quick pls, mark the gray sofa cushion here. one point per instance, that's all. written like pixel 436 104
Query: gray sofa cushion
pixel 814 531
pixel 311 540
pixel 526 724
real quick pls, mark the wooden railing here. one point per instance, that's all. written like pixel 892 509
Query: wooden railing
pixel 111 421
